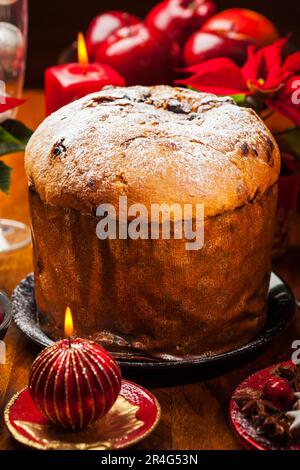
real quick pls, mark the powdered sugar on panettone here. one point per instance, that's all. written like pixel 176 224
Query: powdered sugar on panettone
pixel 154 145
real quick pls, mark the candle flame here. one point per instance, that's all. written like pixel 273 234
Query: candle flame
pixel 68 323
pixel 83 57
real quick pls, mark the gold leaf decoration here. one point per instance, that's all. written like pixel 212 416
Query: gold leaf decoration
pixel 102 435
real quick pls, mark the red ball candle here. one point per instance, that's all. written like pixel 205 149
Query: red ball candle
pixel 68 82
pixel 74 382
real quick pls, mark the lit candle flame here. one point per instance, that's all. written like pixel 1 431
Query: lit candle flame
pixel 83 57
pixel 68 323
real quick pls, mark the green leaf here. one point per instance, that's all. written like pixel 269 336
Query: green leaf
pixel 5 172
pixel 13 137
pixel 289 141
pixel 239 99
pixel 17 129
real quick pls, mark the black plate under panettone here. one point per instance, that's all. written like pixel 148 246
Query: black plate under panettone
pixel 281 308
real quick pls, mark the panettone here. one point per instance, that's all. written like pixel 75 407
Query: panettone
pixel 158 145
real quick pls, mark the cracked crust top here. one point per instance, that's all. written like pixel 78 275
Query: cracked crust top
pixel 154 145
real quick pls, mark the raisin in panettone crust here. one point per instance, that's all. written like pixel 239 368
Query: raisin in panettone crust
pixel 162 145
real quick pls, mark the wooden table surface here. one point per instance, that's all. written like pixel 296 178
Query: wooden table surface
pixel 195 413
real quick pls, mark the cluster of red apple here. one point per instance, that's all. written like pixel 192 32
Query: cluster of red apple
pixel 175 33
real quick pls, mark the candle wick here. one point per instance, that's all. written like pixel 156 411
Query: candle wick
pixel 70 345
pixel 84 68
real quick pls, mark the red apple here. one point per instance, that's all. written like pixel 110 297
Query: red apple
pixel 141 54
pixel 204 46
pixel 180 18
pixel 239 23
pixel 103 25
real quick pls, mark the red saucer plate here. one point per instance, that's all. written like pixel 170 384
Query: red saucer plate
pixel 243 429
pixel 133 417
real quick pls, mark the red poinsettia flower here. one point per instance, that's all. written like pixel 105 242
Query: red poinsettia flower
pixel 265 73
pixel 7 103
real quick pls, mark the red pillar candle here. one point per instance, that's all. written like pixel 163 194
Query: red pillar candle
pixel 75 381
pixel 68 82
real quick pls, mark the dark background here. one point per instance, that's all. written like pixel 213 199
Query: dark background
pixel 53 24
